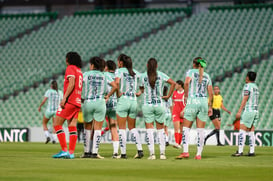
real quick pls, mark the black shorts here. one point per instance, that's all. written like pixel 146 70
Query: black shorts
pixel 215 114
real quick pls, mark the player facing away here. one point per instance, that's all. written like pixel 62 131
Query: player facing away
pixel 168 114
pixel 111 107
pixel 94 108
pixel 217 105
pixel 53 96
pixel 178 112
pixel 152 83
pixel 250 115
pixel 127 81
pixel 70 105
pixel 197 85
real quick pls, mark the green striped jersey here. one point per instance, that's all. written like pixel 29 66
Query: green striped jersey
pixel 195 88
pixel 167 105
pixel 112 102
pixel 95 85
pixel 128 84
pixel 153 96
pixel 251 90
pixel 54 98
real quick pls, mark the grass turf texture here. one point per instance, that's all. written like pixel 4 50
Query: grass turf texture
pixel 32 161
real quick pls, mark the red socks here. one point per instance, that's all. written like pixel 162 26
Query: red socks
pixel 61 137
pixel 72 138
pixel 178 138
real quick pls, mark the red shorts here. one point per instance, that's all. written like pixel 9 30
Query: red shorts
pixel 176 117
pixel 69 112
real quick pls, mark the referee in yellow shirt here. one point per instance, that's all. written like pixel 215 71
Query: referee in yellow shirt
pixel 216 116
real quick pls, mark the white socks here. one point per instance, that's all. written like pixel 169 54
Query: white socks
pixel 136 138
pixel 162 145
pixel 251 142
pixel 242 138
pixel 200 140
pixel 122 141
pixel 185 139
pixel 115 147
pixel 96 141
pixel 166 137
pixel 86 144
pixel 54 136
pixel 47 134
pixel 150 141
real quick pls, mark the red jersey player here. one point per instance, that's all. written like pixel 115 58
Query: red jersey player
pixel 70 105
pixel 178 112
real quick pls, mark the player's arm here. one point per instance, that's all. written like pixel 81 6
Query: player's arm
pixel 186 89
pixel 210 99
pixel 69 90
pixel 117 80
pixel 113 90
pixel 172 83
pixel 42 103
pixel 243 104
pixel 224 108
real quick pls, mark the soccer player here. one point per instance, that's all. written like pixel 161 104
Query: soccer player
pixel 127 82
pixel 94 108
pixel 168 114
pixel 70 105
pixel 111 106
pixel 250 115
pixel 54 96
pixel 216 115
pixel 80 126
pixel 197 85
pixel 178 112
pixel 153 106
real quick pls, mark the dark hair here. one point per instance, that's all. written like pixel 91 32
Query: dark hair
pixel 165 90
pixel 102 65
pixel 152 74
pixel 54 85
pixel 201 69
pixel 127 62
pixel 111 65
pixel 97 62
pixel 180 82
pixel 251 76
pixel 73 58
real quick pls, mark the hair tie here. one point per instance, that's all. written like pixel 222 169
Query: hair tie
pixel 202 62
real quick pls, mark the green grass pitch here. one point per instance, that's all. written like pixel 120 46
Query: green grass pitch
pixel 32 161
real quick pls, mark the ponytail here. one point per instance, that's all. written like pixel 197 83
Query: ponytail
pixel 127 62
pixel 201 64
pixel 54 85
pixel 152 74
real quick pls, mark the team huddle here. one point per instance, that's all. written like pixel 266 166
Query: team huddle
pixel 106 91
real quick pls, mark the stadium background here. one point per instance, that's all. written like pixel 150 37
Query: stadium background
pixel 233 36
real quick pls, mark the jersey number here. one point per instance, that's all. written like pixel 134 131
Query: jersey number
pixel 80 81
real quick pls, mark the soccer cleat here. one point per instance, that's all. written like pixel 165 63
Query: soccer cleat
pixel 122 156
pixel 71 156
pixel 61 154
pixel 139 154
pixel 237 154
pixel 163 157
pixel 197 157
pixel 47 140
pixel 183 155
pixel 86 155
pixel 53 142
pixel 96 156
pixel 115 156
pixel 205 141
pixel 250 154
pixel 220 144
pixel 151 157
pixel 167 143
pixel 177 146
